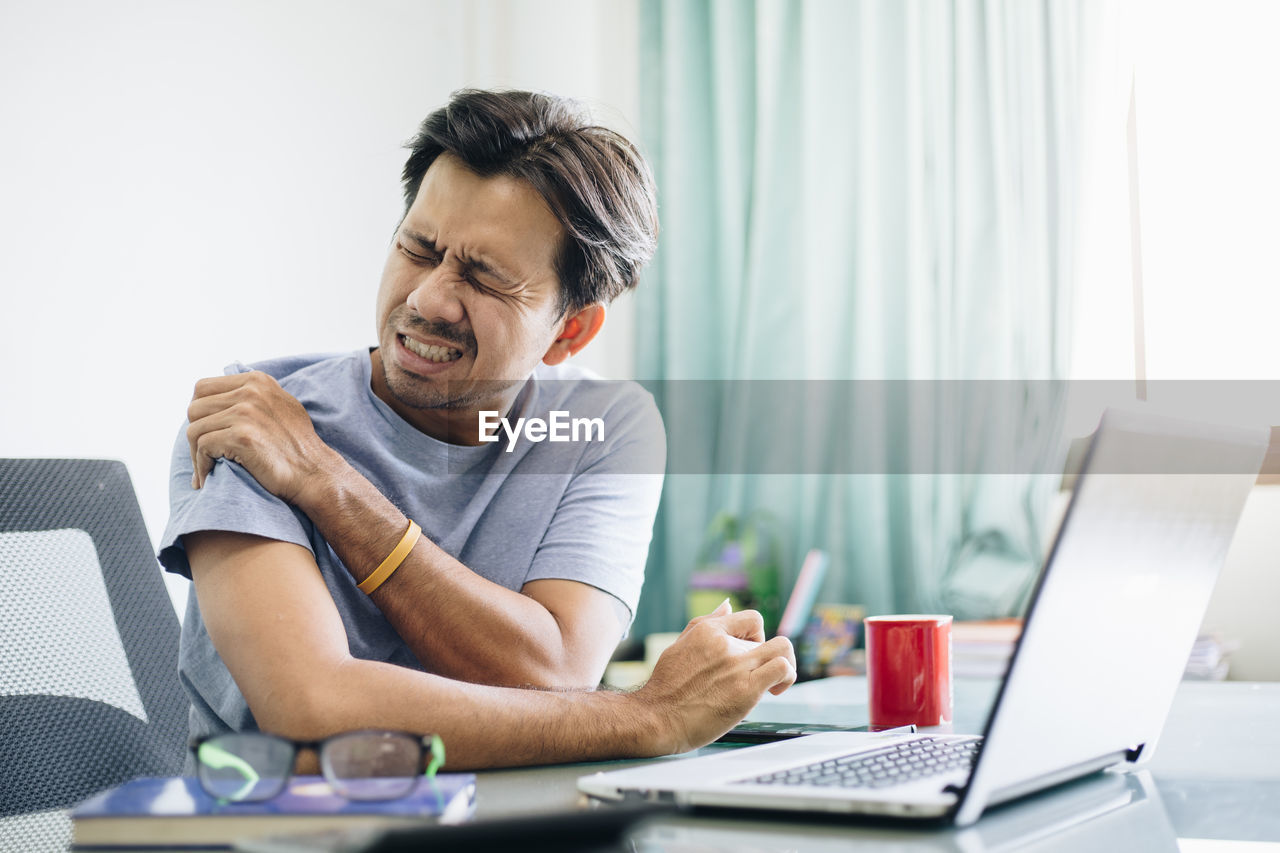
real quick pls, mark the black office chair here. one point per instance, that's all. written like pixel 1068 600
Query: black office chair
pixel 89 691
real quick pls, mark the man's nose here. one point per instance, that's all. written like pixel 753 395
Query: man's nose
pixel 437 296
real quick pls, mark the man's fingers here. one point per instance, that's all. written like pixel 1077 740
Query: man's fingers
pixel 204 446
pixel 198 468
pixel 206 449
pixel 211 404
pixel 211 397
pixel 745 624
pixel 775 675
pixel 213 385
pixel 221 392
pixel 216 406
pixel 776 670
pixel 202 462
pixel 723 609
pixel 202 465
pixel 777 647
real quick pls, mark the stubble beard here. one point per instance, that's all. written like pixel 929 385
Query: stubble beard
pixel 416 392
pixel 426 394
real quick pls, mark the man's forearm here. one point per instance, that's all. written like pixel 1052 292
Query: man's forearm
pixel 482 726
pixel 702 685
pixel 457 623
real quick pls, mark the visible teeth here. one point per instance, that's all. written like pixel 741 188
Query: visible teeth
pixel 431 353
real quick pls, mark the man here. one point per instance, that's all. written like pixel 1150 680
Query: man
pixel 317 607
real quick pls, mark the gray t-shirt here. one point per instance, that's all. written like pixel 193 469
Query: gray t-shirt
pixel 578 510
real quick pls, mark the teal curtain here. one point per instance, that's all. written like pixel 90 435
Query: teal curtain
pixel 859 191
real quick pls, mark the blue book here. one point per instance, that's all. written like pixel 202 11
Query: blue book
pixel 176 812
pixel 803 594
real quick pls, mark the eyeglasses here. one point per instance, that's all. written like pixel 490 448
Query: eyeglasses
pixel 363 765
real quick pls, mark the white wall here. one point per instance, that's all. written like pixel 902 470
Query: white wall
pixel 1243 608
pixel 1207 133
pixel 186 184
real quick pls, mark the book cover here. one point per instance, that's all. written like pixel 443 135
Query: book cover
pixel 982 649
pixel 164 812
pixel 996 632
pixel 803 594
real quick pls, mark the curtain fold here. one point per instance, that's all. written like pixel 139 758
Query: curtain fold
pixel 861 191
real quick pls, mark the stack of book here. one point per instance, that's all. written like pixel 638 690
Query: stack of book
pixel 982 649
pixel 176 813
pixel 1209 659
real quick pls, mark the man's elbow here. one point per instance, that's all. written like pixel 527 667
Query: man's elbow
pixel 306 706
pixel 563 660
pixel 559 669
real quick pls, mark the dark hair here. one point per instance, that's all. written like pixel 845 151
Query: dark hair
pixel 593 179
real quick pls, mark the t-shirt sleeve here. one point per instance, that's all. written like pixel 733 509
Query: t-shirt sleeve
pixel 602 526
pixel 230 500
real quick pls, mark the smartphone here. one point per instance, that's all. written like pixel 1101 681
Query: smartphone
pixel 753 731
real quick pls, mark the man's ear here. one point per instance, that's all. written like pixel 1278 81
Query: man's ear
pixel 576 331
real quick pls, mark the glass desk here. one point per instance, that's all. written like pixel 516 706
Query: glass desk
pixel 1215 777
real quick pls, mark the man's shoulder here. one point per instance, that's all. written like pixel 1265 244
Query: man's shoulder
pixel 564 370
pixel 630 420
pixel 292 368
pixel 319 380
pixel 568 385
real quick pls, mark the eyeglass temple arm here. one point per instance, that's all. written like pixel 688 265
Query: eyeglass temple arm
pixel 436 747
pixel 219 759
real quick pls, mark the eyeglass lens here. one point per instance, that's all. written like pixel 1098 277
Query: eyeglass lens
pixel 244 767
pixel 372 765
pixel 253 766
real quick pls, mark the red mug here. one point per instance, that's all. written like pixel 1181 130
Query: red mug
pixel 909 670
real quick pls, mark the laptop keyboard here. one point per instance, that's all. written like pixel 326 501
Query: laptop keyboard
pixel 892 765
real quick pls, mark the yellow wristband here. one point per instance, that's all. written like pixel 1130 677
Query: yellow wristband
pixel 393 561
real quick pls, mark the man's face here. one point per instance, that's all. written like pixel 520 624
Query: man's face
pixel 469 296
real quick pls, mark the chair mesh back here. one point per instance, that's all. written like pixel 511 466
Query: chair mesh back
pixel 89 691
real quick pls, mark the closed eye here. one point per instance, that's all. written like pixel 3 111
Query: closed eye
pixel 422 258
pixel 481 287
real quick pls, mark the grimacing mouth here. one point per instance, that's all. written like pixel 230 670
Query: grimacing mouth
pixel 430 352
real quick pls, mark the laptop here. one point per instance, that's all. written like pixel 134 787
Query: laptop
pixel 1087 814
pixel 1108 632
